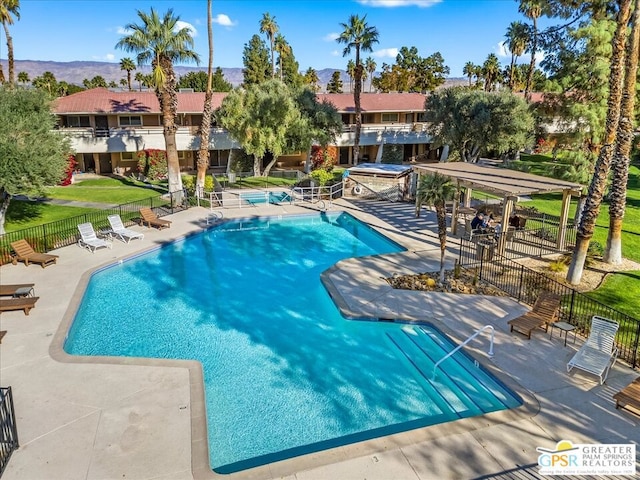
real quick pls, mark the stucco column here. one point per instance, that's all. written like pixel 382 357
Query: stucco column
pixel 96 162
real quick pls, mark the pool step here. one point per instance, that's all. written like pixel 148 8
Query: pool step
pixel 443 387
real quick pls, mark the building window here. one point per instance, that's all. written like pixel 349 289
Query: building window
pixel 78 121
pixel 127 157
pixel 421 117
pixel 389 117
pixel 130 120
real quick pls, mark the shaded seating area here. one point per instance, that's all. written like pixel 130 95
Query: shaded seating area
pixel 25 253
pixel 119 230
pixel 629 396
pixel 150 219
pixel 598 354
pixel 546 310
pixel 89 240
pixel 17 290
pixel 22 303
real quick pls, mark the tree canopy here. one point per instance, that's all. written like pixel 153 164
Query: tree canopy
pixel 474 122
pixel 32 154
pixel 255 59
pixel 412 73
pixel 198 81
pixel 335 84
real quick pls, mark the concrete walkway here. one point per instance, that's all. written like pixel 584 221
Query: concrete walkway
pixel 108 418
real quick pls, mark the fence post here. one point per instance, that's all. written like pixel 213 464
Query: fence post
pixel 521 281
pixel 481 262
pixel 44 236
pixel 573 298
pixel 636 345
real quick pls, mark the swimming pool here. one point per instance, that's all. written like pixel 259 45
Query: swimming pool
pixel 284 373
pixel 255 198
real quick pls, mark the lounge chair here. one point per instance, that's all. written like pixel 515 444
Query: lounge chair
pixel 598 354
pixel 89 240
pixel 629 396
pixel 150 219
pixel 18 290
pixel 545 310
pixel 22 303
pixel 119 230
pixel 25 253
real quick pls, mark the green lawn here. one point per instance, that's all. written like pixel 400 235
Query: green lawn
pixel 31 214
pixel 104 190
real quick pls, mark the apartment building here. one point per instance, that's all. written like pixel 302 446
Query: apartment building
pixel 107 128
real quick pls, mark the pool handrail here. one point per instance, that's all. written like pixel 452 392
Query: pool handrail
pixel 474 335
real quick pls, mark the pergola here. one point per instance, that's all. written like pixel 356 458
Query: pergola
pixel 509 184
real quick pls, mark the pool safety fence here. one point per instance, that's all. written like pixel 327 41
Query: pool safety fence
pixel 64 232
pixel 8 428
pixel 525 285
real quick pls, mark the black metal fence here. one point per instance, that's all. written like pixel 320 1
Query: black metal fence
pixel 8 429
pixel 61 233
pixel 525 285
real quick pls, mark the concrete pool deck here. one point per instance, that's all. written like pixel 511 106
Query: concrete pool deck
pixel 103 418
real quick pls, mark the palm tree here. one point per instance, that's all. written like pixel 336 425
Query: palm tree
pixel 207 112
pixel 601 169
pixel 357 34
pixel 531 9
pixel 8 10
pixel 140 79
pixel 311 78
pixel 23 77
pixel 469 70
pixel 283 48
pixel 624 140
pixel 128 65
pixel 161 42
pixel 269 27
pixel 434 190
pixel 351 71
pixel 491 71
pixel 517 39
pixel 370 65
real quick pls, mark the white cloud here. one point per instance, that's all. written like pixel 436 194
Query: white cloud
pixel 109 57
pixel 502 50
pixel 336 53
pixel 386 53
pixel 224 20
pixel 123 31
pixel 331 37
pixel 399 3
pixel 180 25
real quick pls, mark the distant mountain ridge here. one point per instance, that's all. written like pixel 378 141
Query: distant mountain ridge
pixel 76 72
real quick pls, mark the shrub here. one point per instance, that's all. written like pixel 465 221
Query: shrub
pixel 68 173
pixel 321 176
pixel 393 154
pixel 152 164
pixel 323 158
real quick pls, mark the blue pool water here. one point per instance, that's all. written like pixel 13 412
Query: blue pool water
pixel 265 197
pixel 285 374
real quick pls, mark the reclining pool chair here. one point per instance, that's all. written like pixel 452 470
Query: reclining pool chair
pixel 119 230
pixel 25 253
pixel 22 303
pixel 598 354
pixel 17 290
pixel 545 310
pixel 89 240
pixel 150 219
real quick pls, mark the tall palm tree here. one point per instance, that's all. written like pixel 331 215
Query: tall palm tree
pixel 140 79
pixel 8 10
pixel 351 71
pixel 361 37
pixel 469 70
pixel 601 169
pixel 129 66
pixel 283 48
pixel 517 38
pixel 370 65
pixel 269 27
pixel 23 77
pixel 312 79
pixel 491 71
pixel 624 140
pixel 531 9
pixel 207 112
pixel 161 42
pixel 434 190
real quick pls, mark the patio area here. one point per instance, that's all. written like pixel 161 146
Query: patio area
pixel 99 417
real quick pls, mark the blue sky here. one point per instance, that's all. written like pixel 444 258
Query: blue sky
pixel 461 30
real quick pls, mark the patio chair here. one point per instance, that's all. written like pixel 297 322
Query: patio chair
pixel 25 253
pixel 18 290
pixel 598 354
pixel 629 396
pixel 119 230
pixel 23 303
pixel 89 240
pixel 150 219
pixel 545 310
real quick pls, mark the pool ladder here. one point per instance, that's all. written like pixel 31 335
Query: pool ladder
pixel 475 334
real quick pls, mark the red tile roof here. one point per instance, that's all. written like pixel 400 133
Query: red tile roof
pixel 101 100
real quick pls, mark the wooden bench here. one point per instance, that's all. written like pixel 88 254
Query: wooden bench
pixel 545 310
pixel 629 396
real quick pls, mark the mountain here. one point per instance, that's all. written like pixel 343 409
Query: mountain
pixel 76 72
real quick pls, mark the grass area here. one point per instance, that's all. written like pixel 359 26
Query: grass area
pixel 620 291
pixel 104 190
pixel 263 182
pixel 31 214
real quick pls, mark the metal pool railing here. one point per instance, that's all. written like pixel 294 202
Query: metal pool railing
pixel 8 428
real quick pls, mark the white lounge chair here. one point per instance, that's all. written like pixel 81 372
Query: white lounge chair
pixel 119 230
pixel 89 239
pixel 599 352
